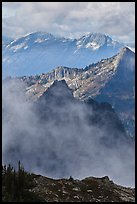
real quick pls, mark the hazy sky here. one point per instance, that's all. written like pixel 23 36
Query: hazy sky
pixel 70 19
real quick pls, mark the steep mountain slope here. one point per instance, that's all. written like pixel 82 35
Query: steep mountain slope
pixel 120 90
pixel 61 136
pixel 111 80
pixel 40 52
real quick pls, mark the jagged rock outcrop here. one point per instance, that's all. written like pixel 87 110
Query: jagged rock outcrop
pixel 111 80
pixel 89 81
pixel 90 189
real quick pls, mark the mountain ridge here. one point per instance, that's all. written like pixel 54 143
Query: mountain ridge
pixel 110 80
pixel 34 52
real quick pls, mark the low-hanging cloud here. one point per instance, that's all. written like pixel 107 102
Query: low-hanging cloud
pixel 70 19
pixel 60 147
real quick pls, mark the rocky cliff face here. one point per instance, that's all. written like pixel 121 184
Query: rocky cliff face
pixel 111 80
pixel 89 81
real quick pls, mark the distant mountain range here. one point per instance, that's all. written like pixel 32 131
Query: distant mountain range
pixel 40 52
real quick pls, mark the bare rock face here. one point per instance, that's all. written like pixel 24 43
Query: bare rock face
pixel 89 81
pixel 90 189
pixel 111 80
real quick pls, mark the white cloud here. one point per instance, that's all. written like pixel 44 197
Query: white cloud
pixel 71 18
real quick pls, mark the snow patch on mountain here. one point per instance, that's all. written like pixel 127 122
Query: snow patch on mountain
pixel 95 41
pixel 17 47
pixel 40 52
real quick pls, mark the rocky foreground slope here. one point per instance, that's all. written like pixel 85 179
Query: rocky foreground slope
pixel 21 186
pixel 90 189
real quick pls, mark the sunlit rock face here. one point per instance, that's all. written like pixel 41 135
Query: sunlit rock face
pixel 111 80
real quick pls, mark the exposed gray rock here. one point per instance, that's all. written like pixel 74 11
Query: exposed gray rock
pixel 111 80
pixel 90 189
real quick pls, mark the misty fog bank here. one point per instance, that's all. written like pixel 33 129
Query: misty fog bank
pixel 60 137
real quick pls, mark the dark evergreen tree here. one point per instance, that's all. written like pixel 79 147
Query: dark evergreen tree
pixel 16 185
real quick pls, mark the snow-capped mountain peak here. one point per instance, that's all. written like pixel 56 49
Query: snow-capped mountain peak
pixel 95 41
pixel 40 52
pixel 29 40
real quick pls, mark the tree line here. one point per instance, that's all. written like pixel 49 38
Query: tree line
pixel 17 185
